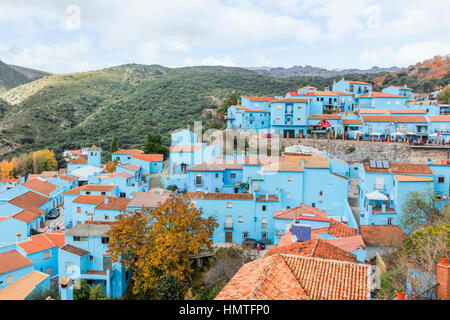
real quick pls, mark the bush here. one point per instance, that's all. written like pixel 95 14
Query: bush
pixel 170 288
pixel 83 291
pixel 209 293
pixel 172 188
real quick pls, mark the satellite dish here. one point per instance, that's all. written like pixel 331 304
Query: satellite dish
pixel 294 238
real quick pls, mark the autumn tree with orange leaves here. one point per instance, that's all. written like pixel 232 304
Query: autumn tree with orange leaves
pixel 160 242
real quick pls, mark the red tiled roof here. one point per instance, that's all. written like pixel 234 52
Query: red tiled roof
pixel 74 250
pixel 128 151
pixel 99 187
pixel 220 196
pixel 309 278
pixel 382 235
pixel 260 160
pixel 407 111
pixel 407 119
pixel 445 118
pixel 248 110
pixel 406 168
pixel 42 242
pixel 349 244
pixel 13 260
pixel 149 157
pixel 302 212
pixel 325 116
pixel 89 199
pixel 74 191
pixel 179 148
pixel 316 248
pixel 26 216
pixel 259 98
pixel 82 159
pixel 115 204
pixel 381 95
pixel 40 186
pixel 379 118
pixel 293 100
pixel 406 88
pixel 341 230
pixel 125 175
pixel 130 167
pixel 30 200
pixel 351 121
pixel 328 93
pixel 338 175
pixel 94 148
pixel 358 82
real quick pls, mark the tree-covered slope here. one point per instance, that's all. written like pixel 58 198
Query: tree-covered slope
pixel 10 78
pixel 129 101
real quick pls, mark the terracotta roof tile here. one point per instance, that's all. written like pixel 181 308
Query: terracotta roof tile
pixel 379 118
pixel 40 186
pixel 125 175
pixel 26 216
pixel 349 244
pixel 249 110
pixel 23 287
pixel 74 191
pixel 358 82
pixel 269 198
pixel 382 235
pixel 89 199
pixel 82 159
pixel 316 279
pixel 30 200
pixel 373 111
pixel 57 237
pixel 149 157
pixel 220 196
pixel 292 100
pixel 115 204
pixel 12 260
pixel 341 230
pixel 260 160
pixel 128 151
pixel 317 248
pixel 381 95
pixel 401 168
pixel 259 98
pixel 74 250
pixel 130 167
pixel 444 118
pixel 149 199
pixel 411 119
pixel 283 166
pixel 42 242
pixel 99 187
pixel 406 178
pixel 316 164
pixel 302 212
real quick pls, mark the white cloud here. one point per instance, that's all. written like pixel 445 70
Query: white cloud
pixel 60 57
pixel 211 61
pixel 404 55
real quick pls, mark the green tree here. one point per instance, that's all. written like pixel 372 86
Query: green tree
pixel 444 96
pixel 154 144
pixel 170 288
pixel 82 291
pixel 232 99
pixel 420 209
pixel 42 294
pixel 97 293
pixel 113 148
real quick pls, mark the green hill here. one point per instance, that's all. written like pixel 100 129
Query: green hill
pixel 10 78
pixel 129 101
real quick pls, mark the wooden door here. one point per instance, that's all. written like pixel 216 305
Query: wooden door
pixel 228 237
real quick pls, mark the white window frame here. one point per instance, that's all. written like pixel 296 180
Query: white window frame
pixel 229 205
pixel 47 254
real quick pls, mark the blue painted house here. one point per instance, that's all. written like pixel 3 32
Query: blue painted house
pixel 85 256
pixel 400 91
pixel 355 88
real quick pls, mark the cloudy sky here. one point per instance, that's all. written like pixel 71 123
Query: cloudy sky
pixel 68 36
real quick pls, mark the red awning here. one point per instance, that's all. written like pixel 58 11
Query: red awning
pixel 324 124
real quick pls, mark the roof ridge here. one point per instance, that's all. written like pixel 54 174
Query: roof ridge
pixel 295 276
pixel 265 276
pixel 314 247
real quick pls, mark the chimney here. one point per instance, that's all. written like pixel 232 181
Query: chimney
pixel 18 234
pixel 106 199
pixel 443 278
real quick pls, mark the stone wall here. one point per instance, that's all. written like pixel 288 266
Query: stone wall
pixel 393 152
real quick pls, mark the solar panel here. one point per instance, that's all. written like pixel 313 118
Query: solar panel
pixel 379 164
pixel 385 164
pixel 373 164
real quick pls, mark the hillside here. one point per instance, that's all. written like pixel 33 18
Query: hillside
pixel 309 71
pixel 426 76
pixel 30 74
pixel 10 78
pixel 74 110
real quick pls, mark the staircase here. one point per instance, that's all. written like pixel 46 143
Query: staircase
pixel 353 198
pixel 155 181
